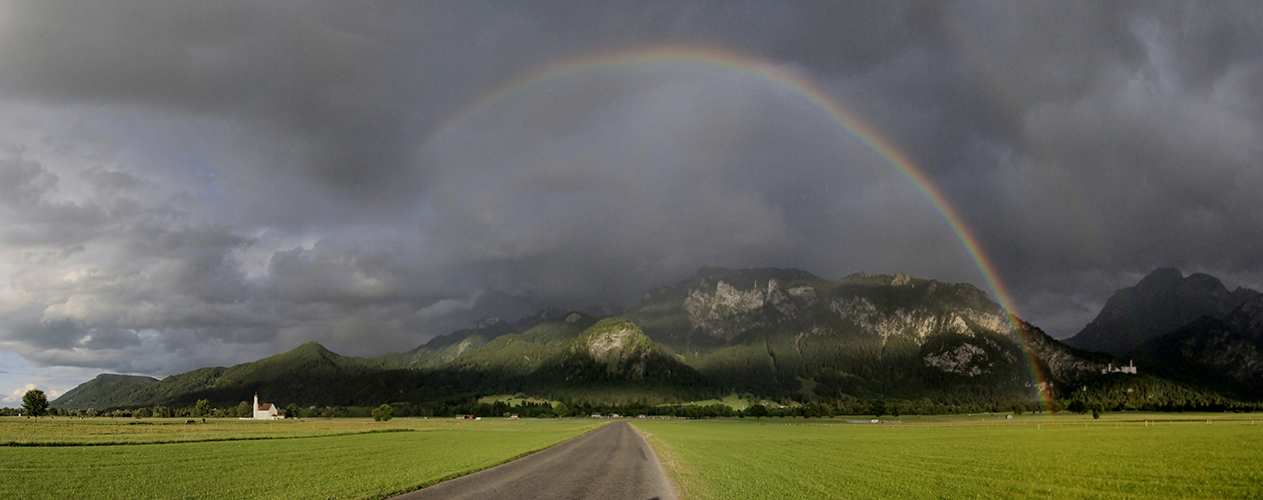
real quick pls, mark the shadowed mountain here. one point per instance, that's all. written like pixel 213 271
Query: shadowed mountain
pixel 1162 302
pixel 1212 352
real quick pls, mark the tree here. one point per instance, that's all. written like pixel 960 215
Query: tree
pixel 202 409
pixel 35 403
pixel 244 410
pixel 291 411
pixel 561 409
pixel 382 413
pixel 757 411
pixel 878 408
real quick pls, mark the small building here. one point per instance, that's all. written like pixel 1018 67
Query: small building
pixel 464 417
pixel 513 416
pixel 266 411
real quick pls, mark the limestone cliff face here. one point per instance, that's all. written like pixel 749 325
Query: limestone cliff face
pixel 779 325
pixel 719 312
pixel 619 349
pixel 915 322
pixel 616 349
pixel 723 311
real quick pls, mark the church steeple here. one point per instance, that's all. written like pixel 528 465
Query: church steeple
pixel 256 405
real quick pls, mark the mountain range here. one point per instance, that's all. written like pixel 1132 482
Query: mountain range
pixel 770 333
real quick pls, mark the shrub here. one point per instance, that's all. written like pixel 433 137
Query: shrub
pixel 382 413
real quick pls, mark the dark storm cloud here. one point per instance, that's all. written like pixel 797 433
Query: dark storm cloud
pixel 185 184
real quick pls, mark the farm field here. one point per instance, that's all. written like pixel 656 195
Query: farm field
pixel 313 459
pixel 1041 456
pixel 105 431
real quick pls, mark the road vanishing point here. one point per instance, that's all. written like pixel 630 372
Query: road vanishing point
pixel 612 463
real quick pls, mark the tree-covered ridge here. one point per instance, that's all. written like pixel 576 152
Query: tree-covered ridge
pixel 102 391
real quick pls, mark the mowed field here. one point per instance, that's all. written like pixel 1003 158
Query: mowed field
pixel 1119 456
pixel 342 458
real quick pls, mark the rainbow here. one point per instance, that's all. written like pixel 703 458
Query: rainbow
pixel 800 86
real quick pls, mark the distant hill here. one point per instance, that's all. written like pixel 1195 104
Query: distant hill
pixel 307 373
pixel 102 391
pixel 1217 353
pixel 772 333
pixel 1162 302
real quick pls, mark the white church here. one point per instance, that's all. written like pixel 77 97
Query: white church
pixel 266 411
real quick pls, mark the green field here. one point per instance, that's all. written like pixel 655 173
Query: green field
pixel 288 459
pixel 104 431
pixel 1120 456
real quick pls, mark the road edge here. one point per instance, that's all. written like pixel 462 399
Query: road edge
pixel 666 461
pixel 450 477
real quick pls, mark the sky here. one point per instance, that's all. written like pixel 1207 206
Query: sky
pixel 189 184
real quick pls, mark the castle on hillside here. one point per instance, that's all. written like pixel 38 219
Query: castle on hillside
pixel 1129 369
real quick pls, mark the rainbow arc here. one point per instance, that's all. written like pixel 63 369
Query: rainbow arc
pixel 801 87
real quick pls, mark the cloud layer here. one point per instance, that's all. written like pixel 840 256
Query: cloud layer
pixel 184 185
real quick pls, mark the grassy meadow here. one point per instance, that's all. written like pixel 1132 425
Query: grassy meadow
pixel 66 431
pixel 344 458
pixel 1156 456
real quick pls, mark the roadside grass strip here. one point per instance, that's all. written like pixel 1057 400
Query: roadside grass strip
pixel 944 458
pixel 355 466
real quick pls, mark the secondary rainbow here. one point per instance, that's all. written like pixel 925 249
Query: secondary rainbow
pixel 797 85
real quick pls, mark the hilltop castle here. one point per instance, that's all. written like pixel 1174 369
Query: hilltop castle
pixel 1130 368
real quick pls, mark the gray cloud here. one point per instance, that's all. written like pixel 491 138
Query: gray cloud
pixel 192 184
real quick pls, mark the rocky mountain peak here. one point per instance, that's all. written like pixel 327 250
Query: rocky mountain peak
pixel 1162 302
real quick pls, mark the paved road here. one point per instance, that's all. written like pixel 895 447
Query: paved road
pixel 610 463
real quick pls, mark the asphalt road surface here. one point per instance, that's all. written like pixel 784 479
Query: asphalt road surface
pixel 610 463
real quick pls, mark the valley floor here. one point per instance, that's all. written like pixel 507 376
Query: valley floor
pixel 1168 455
pixel 1155 456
